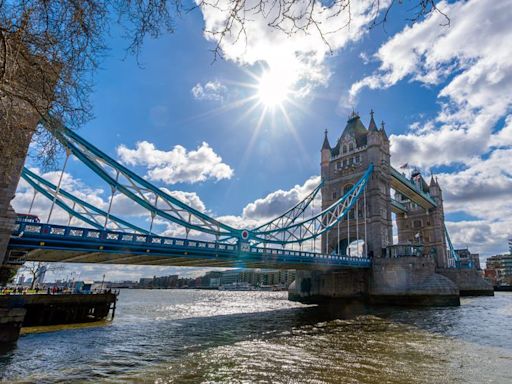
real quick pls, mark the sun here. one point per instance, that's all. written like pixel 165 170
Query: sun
pixel 273 90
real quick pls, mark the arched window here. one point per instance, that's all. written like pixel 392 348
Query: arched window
pixel 350 147
pixel 344 149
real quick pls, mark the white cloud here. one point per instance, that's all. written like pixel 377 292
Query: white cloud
pixel 212 91
pixel 277 202
pixel 294 52
pixel 472 58
pixel 177 165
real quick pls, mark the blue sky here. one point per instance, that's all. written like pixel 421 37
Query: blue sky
pixel 444 93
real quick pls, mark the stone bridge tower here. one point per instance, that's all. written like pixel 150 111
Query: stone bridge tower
pixel 424 226
pixel 341 167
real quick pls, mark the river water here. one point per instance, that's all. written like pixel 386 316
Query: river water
pixel 192 336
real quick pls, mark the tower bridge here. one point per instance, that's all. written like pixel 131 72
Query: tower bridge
pixel 361 195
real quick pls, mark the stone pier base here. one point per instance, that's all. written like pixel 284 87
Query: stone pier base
pixel 469 281
pixel 410 281
pixel 319 286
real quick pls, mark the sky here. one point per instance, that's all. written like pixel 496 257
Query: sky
pixel 239 137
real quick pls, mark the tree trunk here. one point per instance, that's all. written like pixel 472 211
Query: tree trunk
pixel 24 98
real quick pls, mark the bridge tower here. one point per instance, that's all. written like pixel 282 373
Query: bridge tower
pixel 424 226
pixel 341 167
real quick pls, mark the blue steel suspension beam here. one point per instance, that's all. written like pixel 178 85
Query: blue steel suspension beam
pixel 318 224
pixel 137 189
pixel 90 212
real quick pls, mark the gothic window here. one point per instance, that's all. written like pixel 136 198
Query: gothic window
pixel 338 165
pixel 344 149
pixel 351 147
pixel 418 224
pixel 358 159
pixel 345 162
pixel 351 160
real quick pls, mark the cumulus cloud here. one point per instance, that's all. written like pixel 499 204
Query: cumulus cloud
pixel 296 51
pixel 471 58
pixel 211 91
pixel 177 165
pixel 279 201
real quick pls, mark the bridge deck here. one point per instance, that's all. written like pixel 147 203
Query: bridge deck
pixel 57 243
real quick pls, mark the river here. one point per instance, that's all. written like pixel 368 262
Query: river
pixel 193 336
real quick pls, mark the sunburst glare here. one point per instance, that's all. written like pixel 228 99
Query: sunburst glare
pixel 273 90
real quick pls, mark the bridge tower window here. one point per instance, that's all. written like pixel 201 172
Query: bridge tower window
pixel 418 223
pixel 344 149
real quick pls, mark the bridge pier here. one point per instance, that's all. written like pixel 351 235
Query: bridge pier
pixel 409 281
pixel 322 286
pixel 469 281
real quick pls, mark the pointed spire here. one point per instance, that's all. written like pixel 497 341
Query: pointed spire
pixel 372 127
pixel 326 144
pixel 432 180
pixel 383 130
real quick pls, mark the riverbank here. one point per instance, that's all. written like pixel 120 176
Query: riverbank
pixel 29 310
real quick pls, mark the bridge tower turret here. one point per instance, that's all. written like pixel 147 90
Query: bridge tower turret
pixel 342 166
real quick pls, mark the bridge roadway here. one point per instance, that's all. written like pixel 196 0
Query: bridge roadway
pixel 58 243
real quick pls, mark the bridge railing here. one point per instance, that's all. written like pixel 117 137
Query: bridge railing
pixel 91 234
pixel 341 258
pixel 77 234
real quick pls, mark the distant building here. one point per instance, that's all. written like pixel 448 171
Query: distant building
pixel 21 280
pixel 40 275
pixel 468 259
pixel 499 269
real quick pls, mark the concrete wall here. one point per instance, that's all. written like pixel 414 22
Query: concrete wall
pixel 469 281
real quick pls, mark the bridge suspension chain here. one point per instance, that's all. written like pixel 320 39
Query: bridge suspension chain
pixel 76 207
pixel 124 181
pixel 315 226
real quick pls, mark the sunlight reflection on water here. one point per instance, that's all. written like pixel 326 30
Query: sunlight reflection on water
pixel 244 337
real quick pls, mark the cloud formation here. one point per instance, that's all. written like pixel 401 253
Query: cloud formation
pixel 295 52
pixel 471 57
pixel 211 91
pixel 177 165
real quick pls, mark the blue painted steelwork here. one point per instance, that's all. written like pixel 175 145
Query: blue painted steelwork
pixel 291 215
pixel 318 224
pixel 48 190
pixel 138 189
pixel 283 230
pixel 48 237
pixel 453 257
